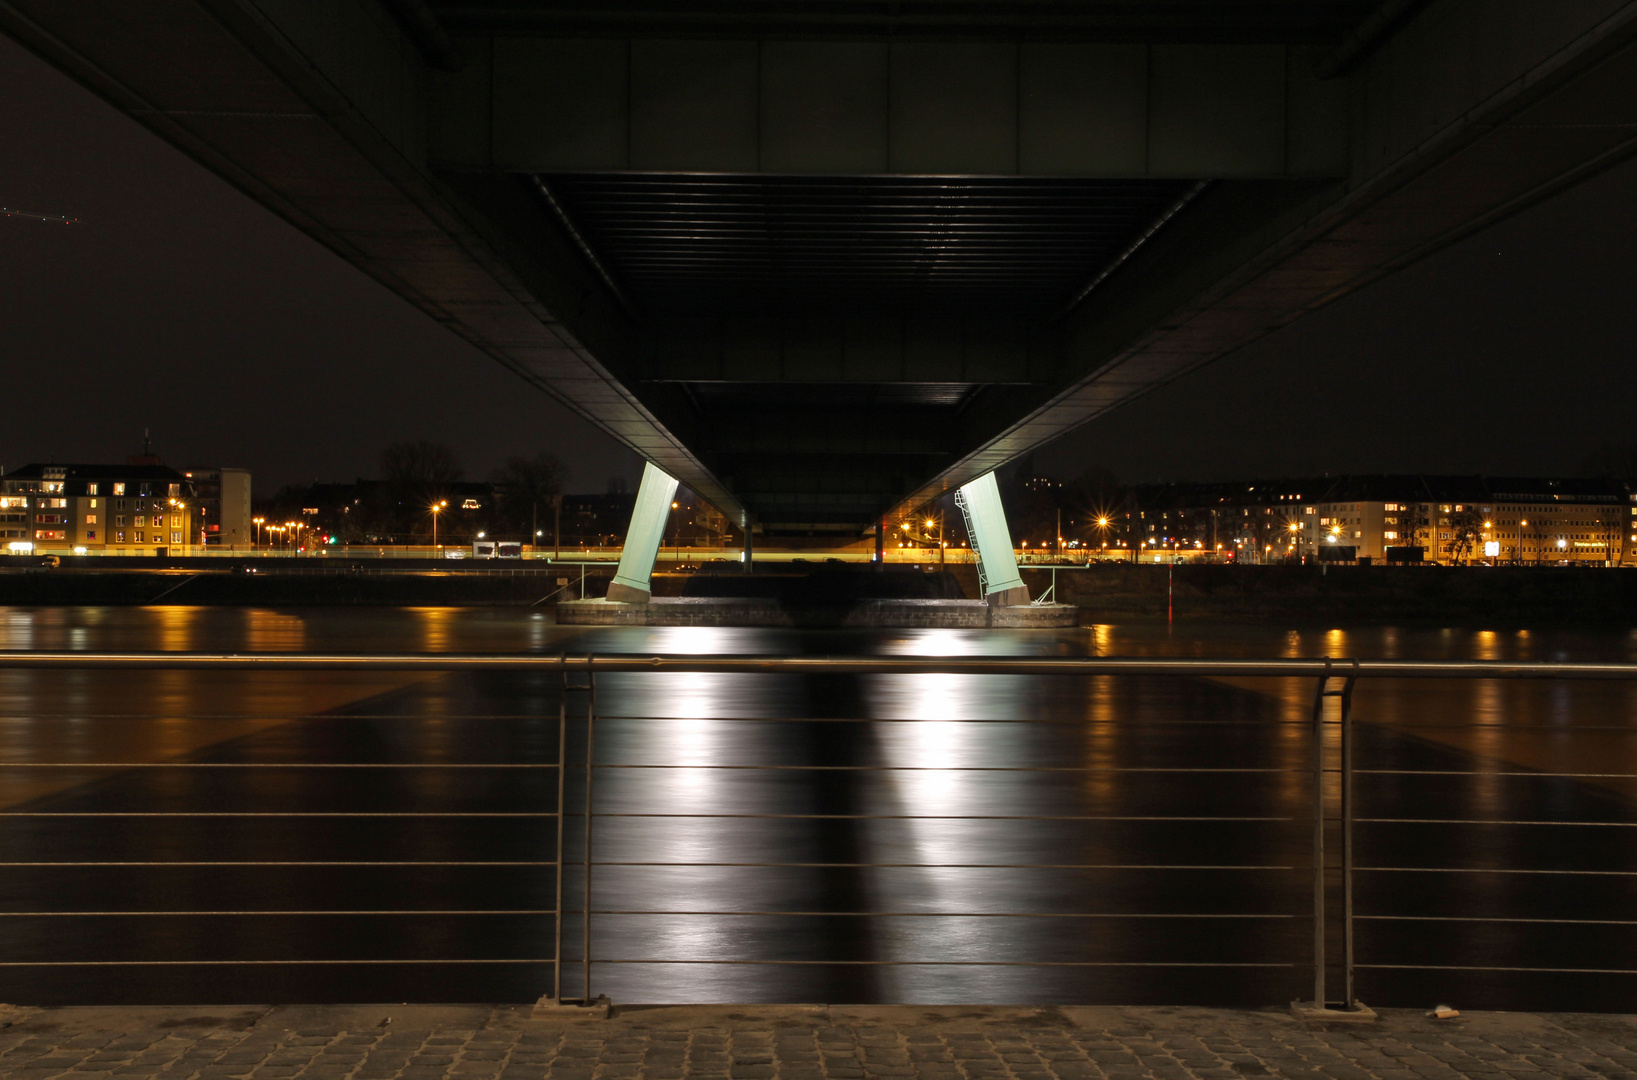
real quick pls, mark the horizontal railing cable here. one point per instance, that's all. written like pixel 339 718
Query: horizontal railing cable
pixel 797 665
pixel 932 865
pixel 316 962
pixel 963 914
pixel 944 817
pixel 276 765
pixel 438 814
pixel 967 963
pixel 1488 821
pixel 276 912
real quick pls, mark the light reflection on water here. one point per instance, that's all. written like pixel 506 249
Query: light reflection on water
pixel 909 764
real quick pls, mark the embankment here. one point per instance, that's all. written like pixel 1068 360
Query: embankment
pixel 1498 594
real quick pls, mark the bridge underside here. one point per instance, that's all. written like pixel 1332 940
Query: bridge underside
pixel 827 338
pixel 824 260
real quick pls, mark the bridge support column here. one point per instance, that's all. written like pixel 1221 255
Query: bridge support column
pixel 986 521
pixel 648 520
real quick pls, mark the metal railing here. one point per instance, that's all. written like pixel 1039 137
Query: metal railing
pixel 1330 805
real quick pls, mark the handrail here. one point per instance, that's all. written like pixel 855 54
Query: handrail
pixel 831 665
pixel 1332 780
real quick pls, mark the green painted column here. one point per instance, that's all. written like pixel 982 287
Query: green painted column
pixel 993 541
pixel 648 520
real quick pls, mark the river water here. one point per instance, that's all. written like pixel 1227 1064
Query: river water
pixel 215 837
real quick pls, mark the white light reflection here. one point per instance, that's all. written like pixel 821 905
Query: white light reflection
pixel 946 642
pixel 705 640
pixel 936 728
pixel 690 725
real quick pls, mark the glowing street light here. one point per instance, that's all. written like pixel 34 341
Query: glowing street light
pixel 439 505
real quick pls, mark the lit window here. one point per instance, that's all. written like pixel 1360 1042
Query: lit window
pixel 176 538
pixel 90 489
pixel 140 520
pixel 90 519
pixel 119 538
pixel 119 489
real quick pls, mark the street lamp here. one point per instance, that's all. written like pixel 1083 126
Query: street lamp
pixel 258 522
pixel 439 505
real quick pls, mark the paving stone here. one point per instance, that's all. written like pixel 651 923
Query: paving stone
pixel 734 1046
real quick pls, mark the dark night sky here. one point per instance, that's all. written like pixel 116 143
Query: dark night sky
pixel 179 305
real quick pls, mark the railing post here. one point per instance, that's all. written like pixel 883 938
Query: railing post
pixel 562 784
pixel 1318 837
pixel 1347 834
pixel 590 738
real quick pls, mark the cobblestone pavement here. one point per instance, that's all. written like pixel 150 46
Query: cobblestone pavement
pixel 800 1043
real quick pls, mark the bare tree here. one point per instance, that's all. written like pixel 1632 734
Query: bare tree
pixel 1610 524
pixel 420 463
pixel 1614 461
pixel 1465 530
pixel 526 486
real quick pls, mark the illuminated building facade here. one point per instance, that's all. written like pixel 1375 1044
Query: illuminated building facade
pixel 110 509
pixel 1393 518
pixel 222 500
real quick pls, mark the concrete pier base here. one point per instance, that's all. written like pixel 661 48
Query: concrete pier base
pixel 676 611
pixel 1017 596
pixel 618 592
pixel 753 611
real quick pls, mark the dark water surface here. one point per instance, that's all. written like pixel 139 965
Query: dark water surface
pixel 263 836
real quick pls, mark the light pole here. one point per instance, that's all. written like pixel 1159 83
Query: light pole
pixel 258 523
pixel 439 505
pixel 676 546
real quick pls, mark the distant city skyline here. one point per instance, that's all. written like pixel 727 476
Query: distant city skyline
pixel 176 304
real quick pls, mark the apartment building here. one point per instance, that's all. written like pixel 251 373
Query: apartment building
pixel 113 509
pixel 1529 520
pixel 1395 518
pixel 222 498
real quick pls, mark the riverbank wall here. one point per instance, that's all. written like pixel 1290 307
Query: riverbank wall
pixel 1506 594
pixel 1103 592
